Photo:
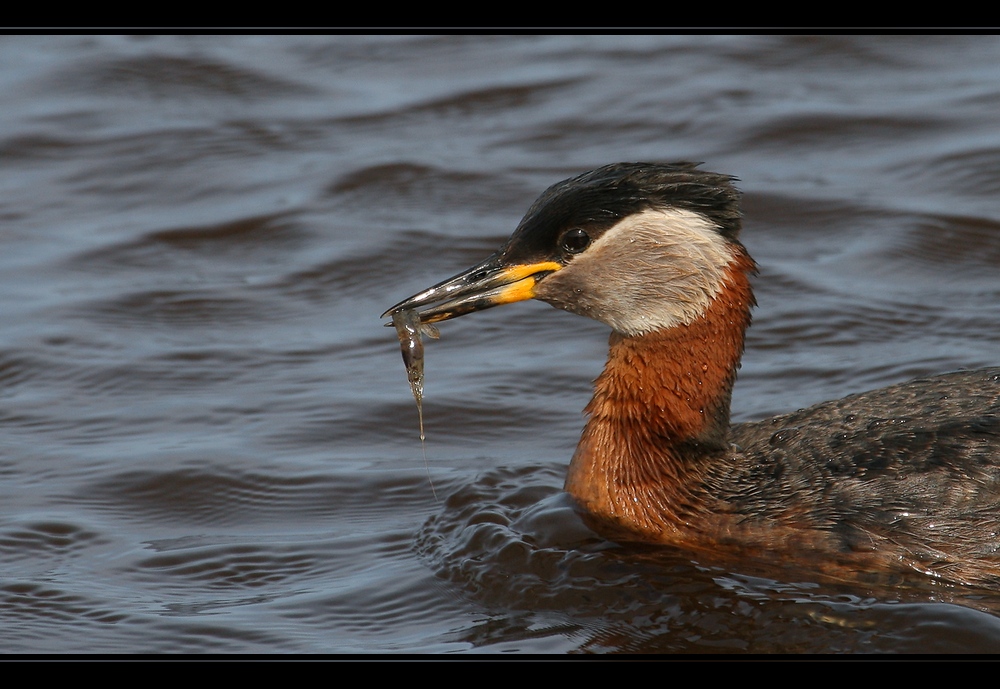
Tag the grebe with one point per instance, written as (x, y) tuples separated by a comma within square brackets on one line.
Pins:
[(906, 477)]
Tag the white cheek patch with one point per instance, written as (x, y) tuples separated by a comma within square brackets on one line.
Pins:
[(656, 269)]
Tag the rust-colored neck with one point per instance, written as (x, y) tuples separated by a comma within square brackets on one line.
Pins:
[(659, 414)]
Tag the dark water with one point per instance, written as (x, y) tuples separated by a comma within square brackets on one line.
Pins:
[(207, 441)]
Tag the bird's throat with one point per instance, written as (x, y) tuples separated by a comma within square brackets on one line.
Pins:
[(660, 412)]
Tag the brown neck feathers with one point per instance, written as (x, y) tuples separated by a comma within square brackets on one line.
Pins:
[(660, 410)]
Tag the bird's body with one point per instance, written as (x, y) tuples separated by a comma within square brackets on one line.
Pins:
[(906, 477)]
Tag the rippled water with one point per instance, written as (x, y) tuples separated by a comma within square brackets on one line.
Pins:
[(207, 441)]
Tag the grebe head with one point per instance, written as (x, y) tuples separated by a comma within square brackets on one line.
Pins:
[(638, 246)]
